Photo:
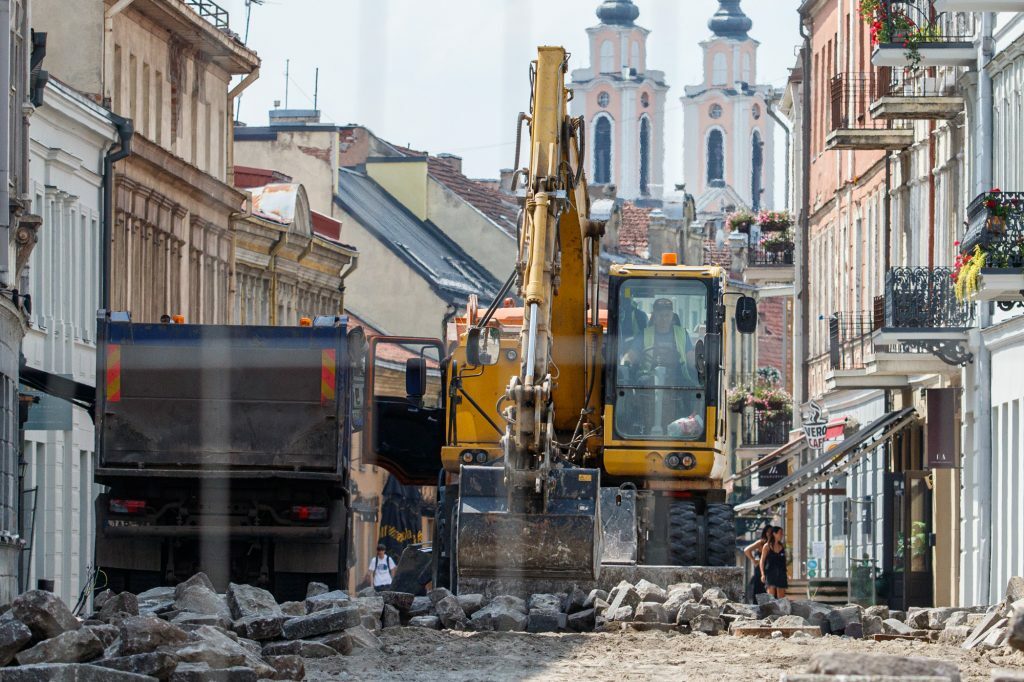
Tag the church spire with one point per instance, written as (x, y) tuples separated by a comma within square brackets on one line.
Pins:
[(730, 21), (618, 12)]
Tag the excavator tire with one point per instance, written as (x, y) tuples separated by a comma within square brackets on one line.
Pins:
[(721, 535), (684, 525)]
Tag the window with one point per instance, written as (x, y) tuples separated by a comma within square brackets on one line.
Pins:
[(645, 100), (715, 111), (746, 69), (719, 70), (716, 156), (603, 151), (757, 170), (635, 62), (603, 99), (645, 156), (608, 57)]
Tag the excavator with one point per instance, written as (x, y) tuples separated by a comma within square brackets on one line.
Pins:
[(584, 427)]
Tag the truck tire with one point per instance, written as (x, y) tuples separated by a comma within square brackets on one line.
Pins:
[(721, 535), (683, 538)]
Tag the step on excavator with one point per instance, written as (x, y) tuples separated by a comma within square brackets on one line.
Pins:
[(580, 430)]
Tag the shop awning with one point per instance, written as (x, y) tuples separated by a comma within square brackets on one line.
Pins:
[(832, 463)]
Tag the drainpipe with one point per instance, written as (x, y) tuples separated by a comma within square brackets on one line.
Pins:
[(802, 309), (353, 264), (125, 131), (5, 149), (789, 134), (983, 357), (272, 267)]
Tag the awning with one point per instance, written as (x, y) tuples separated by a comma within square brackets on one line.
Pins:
[(787, 452), (838, 460)]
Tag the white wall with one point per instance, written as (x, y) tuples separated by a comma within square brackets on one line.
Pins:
[(69, 138)]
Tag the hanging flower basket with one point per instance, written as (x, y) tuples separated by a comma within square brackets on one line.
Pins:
[(740, 221), (775, 221), (779, 246)]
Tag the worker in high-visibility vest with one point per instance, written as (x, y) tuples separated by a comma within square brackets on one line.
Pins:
[(665, 343)]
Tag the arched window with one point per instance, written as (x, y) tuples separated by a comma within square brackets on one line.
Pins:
[(603, 150), (716, 156), (757, 171), (635, 63), (608, 57), (719, 70), (746, 68), (645, 156)]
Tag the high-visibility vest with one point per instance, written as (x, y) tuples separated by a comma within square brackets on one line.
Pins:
[(680, 339)]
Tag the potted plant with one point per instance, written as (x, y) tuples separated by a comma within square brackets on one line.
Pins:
[(966, 269), (892, 25), (737, 399), (999, 209), (740, 221), (774, 221)]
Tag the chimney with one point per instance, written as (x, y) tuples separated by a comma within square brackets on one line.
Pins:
[(452, 160), (294, 116), (506, 180)]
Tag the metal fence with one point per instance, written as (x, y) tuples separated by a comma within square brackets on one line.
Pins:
[(908, 82), (211, 11), (924, 298), (849, 339)]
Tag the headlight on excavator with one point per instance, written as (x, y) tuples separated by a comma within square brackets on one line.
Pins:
[(471, 456), (680, 460)]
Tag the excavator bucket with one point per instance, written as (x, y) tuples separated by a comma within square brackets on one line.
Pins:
[(560, 542)]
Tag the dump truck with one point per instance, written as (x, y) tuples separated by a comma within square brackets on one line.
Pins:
[(587, 430), (224, 449)]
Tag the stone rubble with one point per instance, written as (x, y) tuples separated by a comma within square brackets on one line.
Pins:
[(190, 632)]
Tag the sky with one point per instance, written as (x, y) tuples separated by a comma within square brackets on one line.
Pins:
[(452, 75)]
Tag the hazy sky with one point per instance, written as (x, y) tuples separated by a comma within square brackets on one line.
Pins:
[(451, 75)]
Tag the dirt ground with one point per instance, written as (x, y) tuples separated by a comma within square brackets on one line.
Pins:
[(419, 654)]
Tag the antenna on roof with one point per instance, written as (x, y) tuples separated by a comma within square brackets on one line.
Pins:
[(287, 77), (316, 87), (245, 40)]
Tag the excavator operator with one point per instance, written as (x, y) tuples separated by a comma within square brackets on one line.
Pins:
[(661, 355)]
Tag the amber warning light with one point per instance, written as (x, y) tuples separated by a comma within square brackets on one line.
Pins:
[(669, 259)]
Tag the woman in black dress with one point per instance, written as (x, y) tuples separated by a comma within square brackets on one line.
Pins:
[(753, 552), (773, 563)]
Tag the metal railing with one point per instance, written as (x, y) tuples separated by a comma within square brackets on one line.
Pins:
[(997, 229), (849, 339), (917, 21), (907, 82), (765, 428), (924, 298), (851, 96), (211, 11), (764, 257)]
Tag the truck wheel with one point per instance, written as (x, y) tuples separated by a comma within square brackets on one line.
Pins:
[(684, 543), (721, 535)]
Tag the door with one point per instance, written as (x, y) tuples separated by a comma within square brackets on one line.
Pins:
[(405, 408), (909, 539)]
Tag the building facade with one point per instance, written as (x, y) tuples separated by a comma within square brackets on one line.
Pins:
[(623, 105), (70, 136), (167, 67)]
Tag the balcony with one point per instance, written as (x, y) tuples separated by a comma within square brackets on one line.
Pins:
[(763, 428), (853, 361), (201, 25), (914, 33), (770, 265), (979, 5), (851, 124), (927, 95), (923, 325), (995, 229)]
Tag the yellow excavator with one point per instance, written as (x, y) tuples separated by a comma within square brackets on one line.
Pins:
[(581, 428)]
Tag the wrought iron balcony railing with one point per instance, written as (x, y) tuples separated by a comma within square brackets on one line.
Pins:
[(765, 257), (924, 299), (762, 427), (849, 339), (916, 22), (211, 11), (995, 222)]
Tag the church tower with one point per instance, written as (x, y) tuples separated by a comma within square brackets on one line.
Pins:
[(728, 135), (623, 104)]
